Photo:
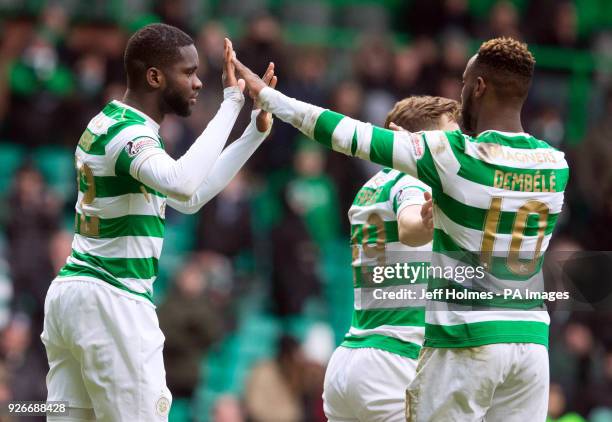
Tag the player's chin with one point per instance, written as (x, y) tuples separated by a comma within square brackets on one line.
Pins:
[(186, 110)]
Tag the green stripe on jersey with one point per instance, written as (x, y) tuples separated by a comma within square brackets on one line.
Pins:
[(373, 318), (381, 149), (74, 270), (109, 186), (143, 268), (325, 126), (487, 332), (129, 225), (368, 233)]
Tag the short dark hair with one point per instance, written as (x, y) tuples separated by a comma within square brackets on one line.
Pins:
[(155, 45), (422, 112), (508, 65)]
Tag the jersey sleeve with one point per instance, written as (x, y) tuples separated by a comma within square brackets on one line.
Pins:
[(404, 151), (408, 191), (134, 148)]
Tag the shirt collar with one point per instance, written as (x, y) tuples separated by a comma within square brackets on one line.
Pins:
[(148, 120)]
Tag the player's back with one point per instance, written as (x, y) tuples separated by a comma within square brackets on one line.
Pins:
[(497, 198), (119, 222), (392, 323)]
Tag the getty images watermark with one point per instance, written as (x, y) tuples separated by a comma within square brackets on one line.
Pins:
[(556, 281)]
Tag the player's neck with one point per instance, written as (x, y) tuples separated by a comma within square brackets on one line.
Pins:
[(500, 119), (146, 103)]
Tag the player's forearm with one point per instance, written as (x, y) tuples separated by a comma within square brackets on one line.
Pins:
[(412, 231), (342, 133), (181, 178), (225, 168)]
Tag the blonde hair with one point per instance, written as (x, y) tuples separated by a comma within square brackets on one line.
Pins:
[(422, 112)]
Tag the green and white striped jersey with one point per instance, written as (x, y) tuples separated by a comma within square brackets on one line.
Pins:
[(497, 197), (394, 325), (119, 222)]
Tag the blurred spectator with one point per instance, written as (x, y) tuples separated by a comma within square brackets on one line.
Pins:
[(556, 407), (503, 21), (263, 43), (39, 83), (594, 182), (227, 409), (598, 393), (436, 16), (6, 294), (314, 193), (34, 214), (60, 247), (190, 325), (407, 68), (26, 365), (294, 260), (372, 62), (548, 124), (225, 222), (280, 390)]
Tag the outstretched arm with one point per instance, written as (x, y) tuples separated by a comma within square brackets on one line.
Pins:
[(399, 150)]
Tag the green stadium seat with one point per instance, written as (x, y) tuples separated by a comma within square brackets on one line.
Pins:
[(57, 166), (11, 157)]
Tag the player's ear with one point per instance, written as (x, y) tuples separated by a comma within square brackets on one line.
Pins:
[(155, 77), (479, 87)]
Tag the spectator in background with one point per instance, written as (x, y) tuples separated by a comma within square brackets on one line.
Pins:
[(263, 43), (557, 405), (224, 224), (315, 194), (6, 294), (592, 209), (348, 175), (190, 325), (227, 408), (503, 21), (294, 260), (598, 393), (26, 364), (39, 85), (432, 17), (280, 390), (34, 216)]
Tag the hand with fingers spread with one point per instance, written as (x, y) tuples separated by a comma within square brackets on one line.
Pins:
[(264, 119), (427, 212), (228, 77), (253, 82)]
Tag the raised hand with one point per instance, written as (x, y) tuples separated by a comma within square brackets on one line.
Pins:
[(228, 78), (427, 212), (264, 119), (253, 82)]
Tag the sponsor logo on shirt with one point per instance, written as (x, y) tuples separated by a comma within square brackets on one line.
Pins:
[(417, 144), (133, 148)]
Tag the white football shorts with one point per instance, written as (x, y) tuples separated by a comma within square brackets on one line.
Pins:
[(366, 384), (104, 348), (498, 382)]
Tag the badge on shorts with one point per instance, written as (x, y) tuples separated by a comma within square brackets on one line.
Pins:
[(162, 407)]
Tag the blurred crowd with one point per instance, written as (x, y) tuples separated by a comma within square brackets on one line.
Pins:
[(274, 243)]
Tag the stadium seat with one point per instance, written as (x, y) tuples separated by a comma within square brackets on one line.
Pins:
[(57, 166), (364, 17), (11, 157), (312, 13)]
